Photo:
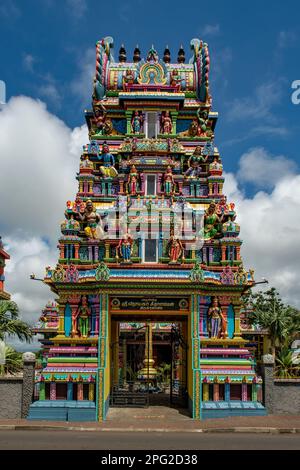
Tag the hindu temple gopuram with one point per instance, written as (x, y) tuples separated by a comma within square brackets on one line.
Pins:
[(149, 278)]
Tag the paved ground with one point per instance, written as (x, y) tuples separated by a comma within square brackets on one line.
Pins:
[(57, 440)]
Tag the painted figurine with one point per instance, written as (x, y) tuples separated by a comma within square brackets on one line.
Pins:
[(175, 249), (194, 164), (124, 248), (107, 169), (216, 320), (83, 317), (137, 123), (99, 120), (166, 123), (169, 181), (212, 222), (202, 121), (93, 229), (133, 180)]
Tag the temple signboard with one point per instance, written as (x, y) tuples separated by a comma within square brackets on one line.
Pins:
[(149, 303)]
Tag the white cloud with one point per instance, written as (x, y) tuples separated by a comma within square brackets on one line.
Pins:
[(286, 39), (82, 84), (210, 30), (259, 167), (37, 177), (37, 170), (258, 105), (50, 91), (28, 62), (270, 228)]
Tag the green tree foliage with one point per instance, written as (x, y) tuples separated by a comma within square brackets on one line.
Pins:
[(267, 311), (13, 362), (11, 324)]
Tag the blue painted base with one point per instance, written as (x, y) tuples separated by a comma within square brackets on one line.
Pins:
[(224, 409), (62, 410)]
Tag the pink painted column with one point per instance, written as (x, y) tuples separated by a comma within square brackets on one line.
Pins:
[(52, 390), (244, 392), (80, 391)]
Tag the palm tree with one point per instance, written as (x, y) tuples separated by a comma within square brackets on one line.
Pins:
[(285, 368), (11, 324), (13, 362)]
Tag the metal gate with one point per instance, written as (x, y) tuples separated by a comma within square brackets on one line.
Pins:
[(128, 391), (178, 385)]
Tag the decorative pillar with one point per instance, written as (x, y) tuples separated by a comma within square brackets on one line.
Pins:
[(244, 391), (237, 309), (28, 382), (106, 250), (52, 390), (268, 380), (61, 251), (223, 249), (210, 254), (227, 391), (91, 391), (254, 391), (42, 391), (128, 115), (61, 318), (205, 391), (73, 302), (195, 335), (80, 391), (76, 254), (204, 302), (103, 364), (80, 186), (216, 392), (90, 249), (210, 189), (238, 253), (70, 391)]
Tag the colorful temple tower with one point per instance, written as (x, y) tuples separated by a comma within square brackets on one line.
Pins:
[(150, 237)]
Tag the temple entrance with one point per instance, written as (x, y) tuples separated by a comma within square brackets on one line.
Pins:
[(149, 362)]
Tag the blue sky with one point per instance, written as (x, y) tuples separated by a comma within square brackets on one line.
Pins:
[(47, 52)]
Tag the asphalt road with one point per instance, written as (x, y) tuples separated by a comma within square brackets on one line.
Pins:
[(73, 440)]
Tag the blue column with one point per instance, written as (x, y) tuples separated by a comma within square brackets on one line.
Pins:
[(70, 391), (227, 392)]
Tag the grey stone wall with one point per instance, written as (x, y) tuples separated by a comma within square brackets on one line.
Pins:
[(16, 392), (286, 396), (10, 397), (281, 396)]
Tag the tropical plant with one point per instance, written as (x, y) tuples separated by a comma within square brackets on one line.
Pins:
[(13, 362), (11, 324), (285, 368), (267, 311), (164, 372)]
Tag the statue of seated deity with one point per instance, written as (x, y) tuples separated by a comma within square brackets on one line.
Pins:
[(108, 161)]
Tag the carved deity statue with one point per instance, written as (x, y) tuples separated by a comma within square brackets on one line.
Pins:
[(212, 222), (166, 123), (169, 182), (194, 164), (83, 315), (202, 121), (216, 320), (137, 123), (99, 119), (93, 229), (133, 181), (175, 249), (107, 168), (124, 248), (128, 77)]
